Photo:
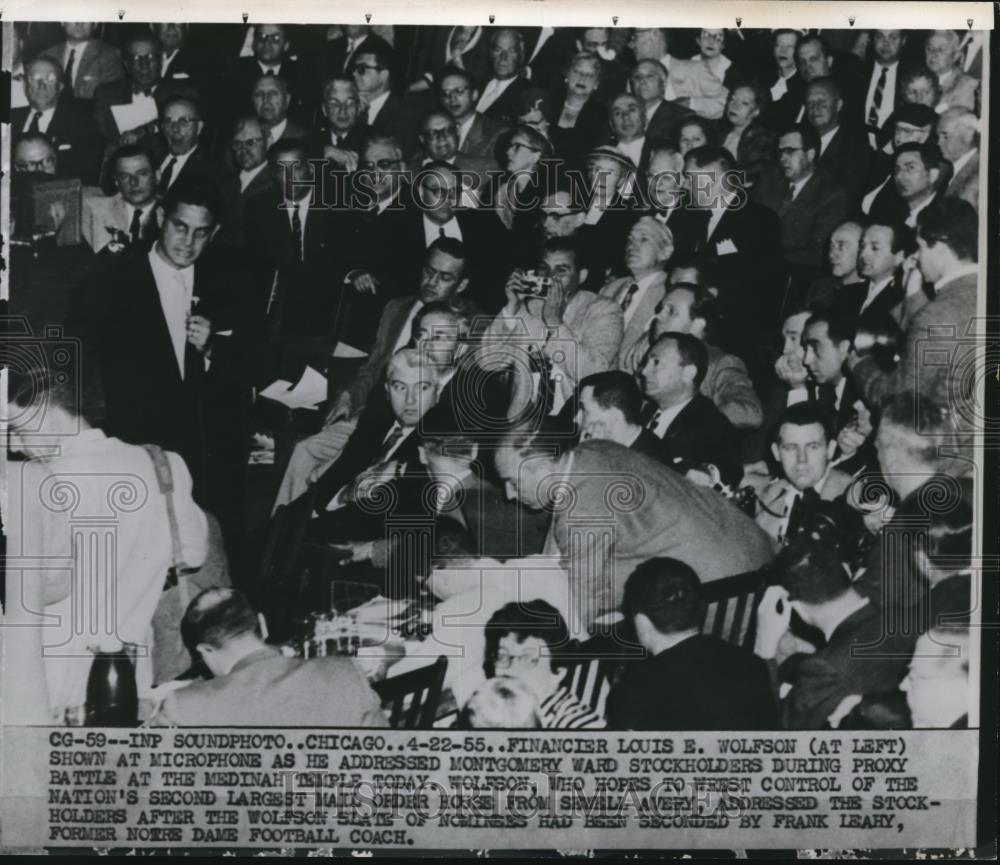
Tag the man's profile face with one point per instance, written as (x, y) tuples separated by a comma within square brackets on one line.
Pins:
[(136, 180), (184, 233), (523, 477), (794, 160), (824, 359), (269, 43), (904, 133), (505, 55), (340, 106), (932, 259), (876, 259), (458, 96), (784, 51), (937, 684), (843, 251), (591, 418), (953, 141), (887, 44), (249, 146), (142, 62), (811, 61), (627, 118), (440, 137), (663, 377), (804, 453), (666, 186), (822, 108), (181, 127), (441, 277), (412, 391), (38, 156), (912, 178), (42, 84), (676, 313), (270, 100)]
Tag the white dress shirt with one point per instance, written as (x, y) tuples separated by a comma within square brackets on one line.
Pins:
[(874, 290), (633, 305), (178, 166), (166, 60), (276, 131), (43, 121), (176, 288), (432, 231), (869, 199), (375, 106), (666, 417), (303, 209), (405, 332), (825, 139), (780, 87), (543, 37), (247, 177), (265, 68), (888, 93), (79, 48), (147, 214), (18, 98), (337, 502), (962, 160), (463, 129), (492, 92), (797, 185), (633, 149), (911, 219)]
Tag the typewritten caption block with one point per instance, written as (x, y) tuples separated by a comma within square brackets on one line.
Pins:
[(398, 789)]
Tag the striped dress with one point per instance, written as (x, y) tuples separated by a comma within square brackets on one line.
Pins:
[(561, 710)]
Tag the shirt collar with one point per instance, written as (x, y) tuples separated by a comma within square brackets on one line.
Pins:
[(376, 105), (265, 68), (962, 160), (964, 270), (276, 131), (247, 176), (184, 275), (85, 440)]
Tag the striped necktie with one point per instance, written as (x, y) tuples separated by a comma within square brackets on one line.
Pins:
[(873, 112)]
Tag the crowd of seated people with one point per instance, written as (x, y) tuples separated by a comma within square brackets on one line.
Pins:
[(654, 306)]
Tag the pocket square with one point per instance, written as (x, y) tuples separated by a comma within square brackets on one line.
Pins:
[(177, 76), (725, 247), (65, 147)]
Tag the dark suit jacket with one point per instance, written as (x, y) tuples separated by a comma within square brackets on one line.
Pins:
[(665, 122), (269, 690), (821, 680), (75, 135), (702, 683), (183, 68), (497, 527), (502, 110), (846, 159), (888, 302), (548, 66), (203, 166), (399, 119), (873, 70), (235, 97), (390, 326), (647, 444), (701, 434), (781, 114), (590, 130), (337, 62), (755, 151), (482, 137), (807, 221)]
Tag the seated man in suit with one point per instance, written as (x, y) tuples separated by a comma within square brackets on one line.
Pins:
[(342, 139), (627, 508), (628, 127), (177, 62), (844, 153), (384, 113), (126, 217), (812, 582), (84, 62), (249, 149), (271, 56), (809, 203), (694, 435), (649, 247), (458, 95), (611, 408), (693, 309), (254, 683), (649, 84), (34, 153), (803, 450), (941, 53), (66, 121), (688, 680), (910, 123), (881, 253), (439, 143), (958, 138), (920, 175), (271, 100), (508, 76), (842, 263)]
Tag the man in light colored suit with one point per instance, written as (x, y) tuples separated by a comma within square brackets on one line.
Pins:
[(941, 53), (127, 217), (614, 508), (271, 100), (958, 138), (86, 62), (253, 684), (649, 247), (477, 133)]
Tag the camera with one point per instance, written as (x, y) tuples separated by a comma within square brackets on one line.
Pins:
[(535, 285)]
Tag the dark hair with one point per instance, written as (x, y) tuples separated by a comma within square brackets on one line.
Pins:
[(287, 145), (915, 114), (949, 536), (130, 151), (452, 248), (217, 616), (806, 414), (903, 239), (829, 82), (929, 421), (808, 135), (839, 328), (819, 40), (548, 440), (563, 244), (453, 71), (668, 592), (535, 618), (197, 192), (37, 386), (382, 54), (708, 130), (812, 573), (704, 305), (692, 352), (614, 388), (930, 154), (438, 307), (953, 222)]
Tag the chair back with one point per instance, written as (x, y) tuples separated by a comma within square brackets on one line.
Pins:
[(412, 698), (732, 602)]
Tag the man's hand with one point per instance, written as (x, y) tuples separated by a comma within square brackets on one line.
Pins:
[(199, 329), (382, 473), (364, 283), (849, 440), (340, 409), (553, 307), (790, 370), (342, 156), (353, 551), (773, 617), (515, 290)]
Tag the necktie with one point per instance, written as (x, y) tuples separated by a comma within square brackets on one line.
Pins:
[(391, 440), (167, 175), (654, 421), (335, 139), (626, 300), (33, 127), (67, 78), (877, 98), (441, 232), (135, 229), (297, 232)]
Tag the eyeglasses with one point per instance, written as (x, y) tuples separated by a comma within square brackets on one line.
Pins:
[(337, 105), (51, 78), (362, 68), (273, 38), (504, 660), (247, 143), (455, 91), (520, 145), (179, 123), (446, 132), (787, 151), (46, 162), (380, 165), (142, 58)]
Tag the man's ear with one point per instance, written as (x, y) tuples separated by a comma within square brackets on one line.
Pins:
[(215, 231), (160, 215), (464, 284), (935, 175), (831, 447), (584, 273), (776, 451), (423, 454), (201, 127), (698, 326), (643, 625)]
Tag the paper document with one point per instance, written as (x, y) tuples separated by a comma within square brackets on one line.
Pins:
[(308, 392)]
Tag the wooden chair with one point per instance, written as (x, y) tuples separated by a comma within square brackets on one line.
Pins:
[(413, 698), (732, 603)]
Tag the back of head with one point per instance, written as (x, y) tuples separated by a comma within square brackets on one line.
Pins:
[(615, 389), (953, 222), (812, 573), (668, 592), (216, 617), (692, 352)]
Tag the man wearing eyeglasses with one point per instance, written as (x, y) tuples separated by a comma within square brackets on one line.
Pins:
[(181, 126), (477, 134), (249, 149), (509, 78), (342, 138), (271, 56), (66, 121), (383, 111)]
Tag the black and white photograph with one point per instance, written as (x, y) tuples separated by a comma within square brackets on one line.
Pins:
[(585, 431)]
